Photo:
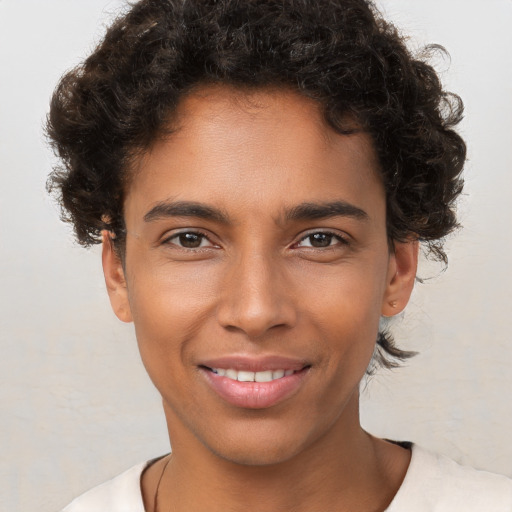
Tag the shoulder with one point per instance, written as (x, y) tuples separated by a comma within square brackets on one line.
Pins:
[(437, 483), (121, 494)]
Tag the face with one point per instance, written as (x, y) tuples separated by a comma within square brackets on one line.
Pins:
[(257, 267)]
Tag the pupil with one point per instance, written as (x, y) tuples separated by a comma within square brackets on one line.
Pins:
[(190, 240), (320, 240)]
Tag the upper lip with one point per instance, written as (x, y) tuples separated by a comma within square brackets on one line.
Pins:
[(255, 364)]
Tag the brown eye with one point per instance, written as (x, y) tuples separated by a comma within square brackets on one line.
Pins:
[(190, 240), (321, 240)]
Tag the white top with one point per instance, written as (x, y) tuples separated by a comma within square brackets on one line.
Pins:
[(433, 483)]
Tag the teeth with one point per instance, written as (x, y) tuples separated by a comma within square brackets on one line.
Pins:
[(277, 374), (243, 376), (263, 376), (231, 374)]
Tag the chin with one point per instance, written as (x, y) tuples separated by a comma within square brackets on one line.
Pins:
[(267, 444), (251, 455)]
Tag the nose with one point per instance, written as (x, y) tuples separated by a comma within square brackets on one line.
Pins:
[(255, 297)]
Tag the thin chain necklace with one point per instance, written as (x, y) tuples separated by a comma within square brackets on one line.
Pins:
[(155, 504)]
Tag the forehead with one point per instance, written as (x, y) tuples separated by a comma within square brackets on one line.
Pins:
[(214, 105), (263, 149), (278, 116)]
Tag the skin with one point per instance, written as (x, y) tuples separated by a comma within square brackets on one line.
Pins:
[(260, 285)]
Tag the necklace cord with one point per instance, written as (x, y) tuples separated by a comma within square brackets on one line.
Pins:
[(155, 504)]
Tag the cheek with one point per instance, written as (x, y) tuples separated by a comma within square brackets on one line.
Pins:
[(344, 308), (170, 307), (167, 293), (349, 294)]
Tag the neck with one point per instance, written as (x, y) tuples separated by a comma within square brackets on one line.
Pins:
[(346, 469)]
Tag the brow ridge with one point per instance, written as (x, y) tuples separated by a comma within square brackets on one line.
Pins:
[(165, 209), (316, 211), (300, 212)]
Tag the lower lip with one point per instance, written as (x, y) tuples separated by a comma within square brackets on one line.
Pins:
[(255, 395)]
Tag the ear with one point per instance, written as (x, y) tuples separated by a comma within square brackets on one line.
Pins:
[(402, 267), (114, 279)]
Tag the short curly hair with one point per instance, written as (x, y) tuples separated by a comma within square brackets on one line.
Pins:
[(341, 53)]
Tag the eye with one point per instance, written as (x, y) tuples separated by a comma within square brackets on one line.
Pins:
[(189, 240), (321, 240)]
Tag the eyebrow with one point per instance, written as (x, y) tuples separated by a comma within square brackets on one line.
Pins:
[(300, 212), (167, 209), (315, 211)]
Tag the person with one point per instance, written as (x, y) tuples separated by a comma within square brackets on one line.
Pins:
[(261, 174)]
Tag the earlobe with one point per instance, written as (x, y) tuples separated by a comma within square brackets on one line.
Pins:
[(403, 264), (115, 279)]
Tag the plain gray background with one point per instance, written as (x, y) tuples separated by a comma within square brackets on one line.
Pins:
[(76, 404)]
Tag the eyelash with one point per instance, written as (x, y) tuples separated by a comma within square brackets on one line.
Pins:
[(341, 240), (199, 234)]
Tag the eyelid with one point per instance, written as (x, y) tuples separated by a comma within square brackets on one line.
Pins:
[(196, 231), (343, 238)]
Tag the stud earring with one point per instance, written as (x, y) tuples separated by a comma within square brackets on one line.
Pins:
[(393, 303)]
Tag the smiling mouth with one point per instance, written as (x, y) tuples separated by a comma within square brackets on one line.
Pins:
[(255, 389), (247, 376)]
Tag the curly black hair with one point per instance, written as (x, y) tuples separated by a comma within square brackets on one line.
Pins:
[(341, 53)]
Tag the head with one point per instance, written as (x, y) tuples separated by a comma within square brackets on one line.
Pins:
[(262, 173)]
